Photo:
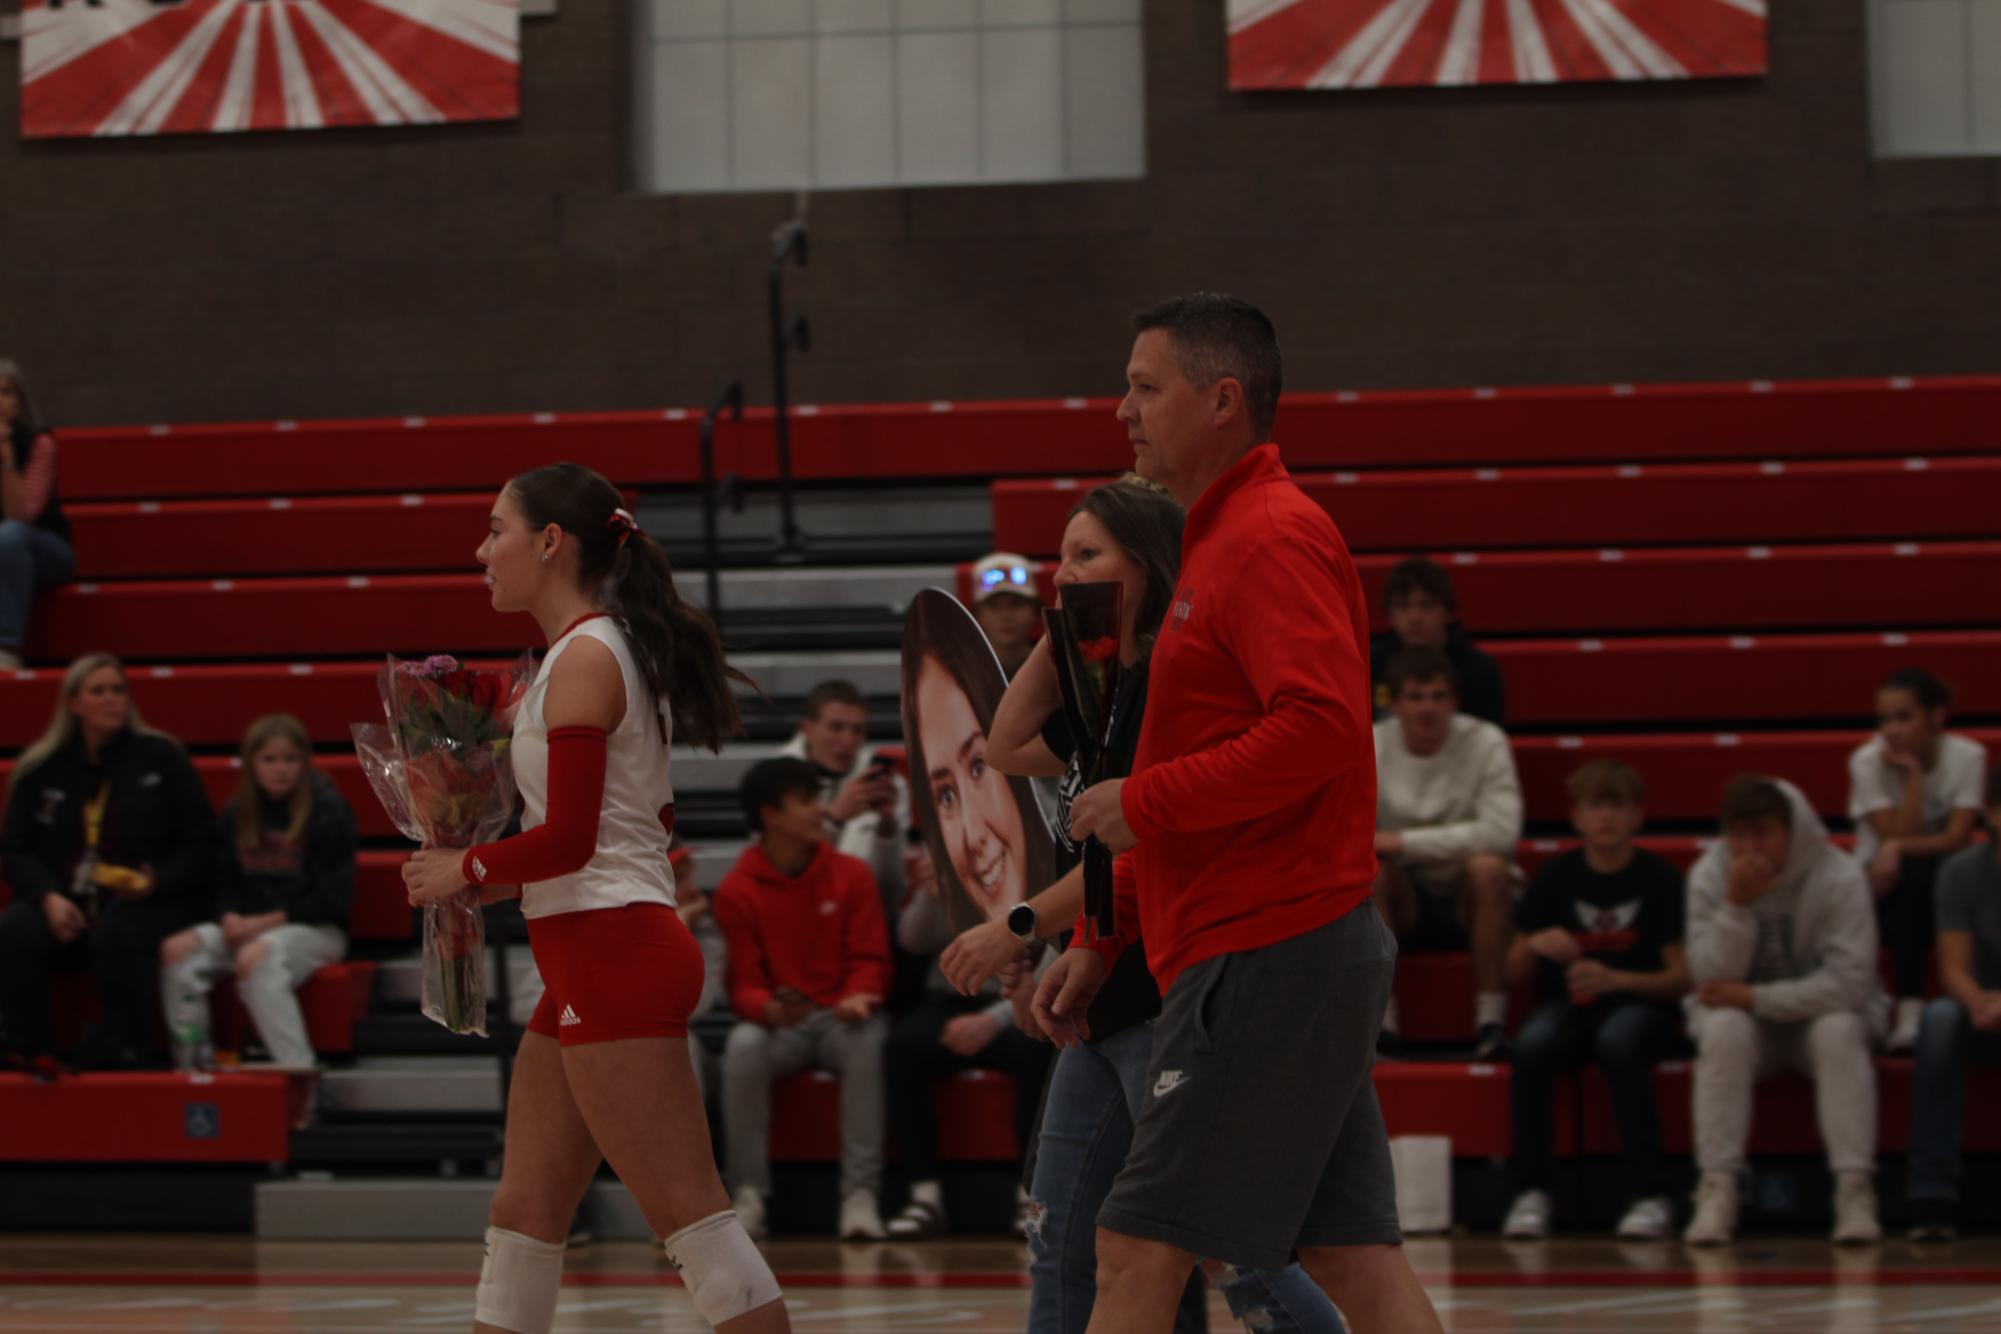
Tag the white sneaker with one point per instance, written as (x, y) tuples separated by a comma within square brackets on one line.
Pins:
[(1715, 1221), (749, 1204), (860, 1219), (1904, 1031), (1855, 1220), (1528, 1219), (1648, 1220)]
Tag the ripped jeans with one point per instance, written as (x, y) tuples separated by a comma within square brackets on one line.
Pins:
[(1087, 1127)]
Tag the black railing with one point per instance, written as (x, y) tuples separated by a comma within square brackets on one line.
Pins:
[(730, 399), (788, 243)]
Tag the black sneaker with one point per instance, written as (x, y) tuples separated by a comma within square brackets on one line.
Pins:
[(1390, 1046), (1492, 1044), (1933, 1220)]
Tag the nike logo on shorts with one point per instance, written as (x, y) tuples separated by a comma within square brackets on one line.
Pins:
[(1169, 1081)]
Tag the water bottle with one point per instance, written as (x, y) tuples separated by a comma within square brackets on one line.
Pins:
[(193, 1049)]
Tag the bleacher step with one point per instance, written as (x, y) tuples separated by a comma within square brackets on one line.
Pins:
[(413, 1085), (414, 1035)]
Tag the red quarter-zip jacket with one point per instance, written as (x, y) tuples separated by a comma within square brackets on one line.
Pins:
[(1254, 791), (820, 932)]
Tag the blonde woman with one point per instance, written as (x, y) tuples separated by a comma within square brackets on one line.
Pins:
[(109, 845), (284, 888)]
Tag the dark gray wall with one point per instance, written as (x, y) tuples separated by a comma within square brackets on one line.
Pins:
[(1430, 238)]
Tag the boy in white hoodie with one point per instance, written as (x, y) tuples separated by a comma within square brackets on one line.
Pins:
[(1782, 950), (1448, 816)]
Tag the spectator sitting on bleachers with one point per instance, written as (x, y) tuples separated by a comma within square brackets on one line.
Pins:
[(285, 888), (1914, 794), (1600, 929), (1008, 605), (1782, 951), (1448, 816), (1961, 1027), (35, 553), (1423, 608), (808, 970), (109, 844), (865, 803), (947, 1034)]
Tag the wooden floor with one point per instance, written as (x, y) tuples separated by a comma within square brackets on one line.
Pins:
[(238, 1285)]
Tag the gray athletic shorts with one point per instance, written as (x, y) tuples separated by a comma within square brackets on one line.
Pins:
[(1261, 1133)]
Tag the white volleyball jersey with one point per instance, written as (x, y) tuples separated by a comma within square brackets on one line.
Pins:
[(630, 863)]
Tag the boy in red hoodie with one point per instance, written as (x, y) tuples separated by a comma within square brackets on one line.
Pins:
[(808, 968)]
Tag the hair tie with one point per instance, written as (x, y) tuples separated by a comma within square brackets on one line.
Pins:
[(621, 522)]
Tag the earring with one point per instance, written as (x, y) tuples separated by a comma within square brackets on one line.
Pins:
[(545, 558)]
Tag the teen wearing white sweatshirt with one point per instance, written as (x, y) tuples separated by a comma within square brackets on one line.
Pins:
[(1448, 816)]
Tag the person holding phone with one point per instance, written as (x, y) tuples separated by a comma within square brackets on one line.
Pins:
[(109, 843)]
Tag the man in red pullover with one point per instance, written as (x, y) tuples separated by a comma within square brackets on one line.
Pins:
[(1248, 834), (808, 968)]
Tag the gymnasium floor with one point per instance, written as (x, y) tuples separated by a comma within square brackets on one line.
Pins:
[(237, 1285)]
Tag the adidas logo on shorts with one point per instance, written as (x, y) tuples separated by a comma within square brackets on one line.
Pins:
[(569, 1018)]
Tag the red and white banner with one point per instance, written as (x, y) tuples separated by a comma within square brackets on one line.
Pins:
[(122, 67), (1419, 43)]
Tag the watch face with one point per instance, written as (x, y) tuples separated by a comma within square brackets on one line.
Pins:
[(1021, 920)]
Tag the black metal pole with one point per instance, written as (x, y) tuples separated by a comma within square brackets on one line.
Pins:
[(731, 397), (787, 243)]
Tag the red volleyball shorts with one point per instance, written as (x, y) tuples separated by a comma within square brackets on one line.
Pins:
[(612, 973)]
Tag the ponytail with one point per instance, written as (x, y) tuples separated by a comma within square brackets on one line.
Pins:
[(678, 649), (677, 646)]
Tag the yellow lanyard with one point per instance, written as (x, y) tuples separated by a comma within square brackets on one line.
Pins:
[(93, 817)]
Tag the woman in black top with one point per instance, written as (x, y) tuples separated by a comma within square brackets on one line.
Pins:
[(1130, 533), (284, 889), (35, 553), (109, 846)]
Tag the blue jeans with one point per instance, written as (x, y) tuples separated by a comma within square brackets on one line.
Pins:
[(32, 560), (1947, 1041), (1624, 1038), (1087, 1127)]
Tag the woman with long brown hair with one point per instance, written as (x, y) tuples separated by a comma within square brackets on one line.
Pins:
[(284, 890), (604, 1071)]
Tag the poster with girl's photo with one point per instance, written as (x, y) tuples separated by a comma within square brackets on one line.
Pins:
[(986, 834)]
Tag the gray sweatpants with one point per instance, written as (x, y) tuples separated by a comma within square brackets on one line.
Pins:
[(270, 992), (757, 1057), (1734, 1050)]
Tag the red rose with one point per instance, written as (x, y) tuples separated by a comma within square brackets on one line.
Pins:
[(1103, 649)]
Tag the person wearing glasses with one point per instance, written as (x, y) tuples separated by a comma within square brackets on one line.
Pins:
[(1008, 605)]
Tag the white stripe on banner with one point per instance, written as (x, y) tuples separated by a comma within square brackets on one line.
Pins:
[(390, 100), (1461, 62), (302, 101), (79, 33), (1243, 13), (1622, 65), (482, 25), (1652, 58), (1391, 23), (1379, 64), (147, 107), (1532, 60), (232, 109), (1755, 8)]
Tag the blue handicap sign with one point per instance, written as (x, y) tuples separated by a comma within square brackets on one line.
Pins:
[(201, 1120)]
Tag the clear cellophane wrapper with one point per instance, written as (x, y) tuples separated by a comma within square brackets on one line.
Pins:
[(440, 768)]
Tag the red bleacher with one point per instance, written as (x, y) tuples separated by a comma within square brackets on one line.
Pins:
[(332, 1000), (1402, 429), (223, 1118), (1624, 506)]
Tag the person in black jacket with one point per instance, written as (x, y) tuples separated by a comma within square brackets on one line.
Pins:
[(109, 845), (1423, 608), (285, 888)]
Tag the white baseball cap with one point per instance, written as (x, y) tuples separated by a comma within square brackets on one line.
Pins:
[(1005, 572)]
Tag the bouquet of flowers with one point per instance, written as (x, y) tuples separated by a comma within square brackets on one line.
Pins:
[(439, 767)]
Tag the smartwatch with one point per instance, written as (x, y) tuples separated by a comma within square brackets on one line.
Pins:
[(1021, 921)]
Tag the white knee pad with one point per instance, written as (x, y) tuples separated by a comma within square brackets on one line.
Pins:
[(725, 1275), (519, 1282)]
